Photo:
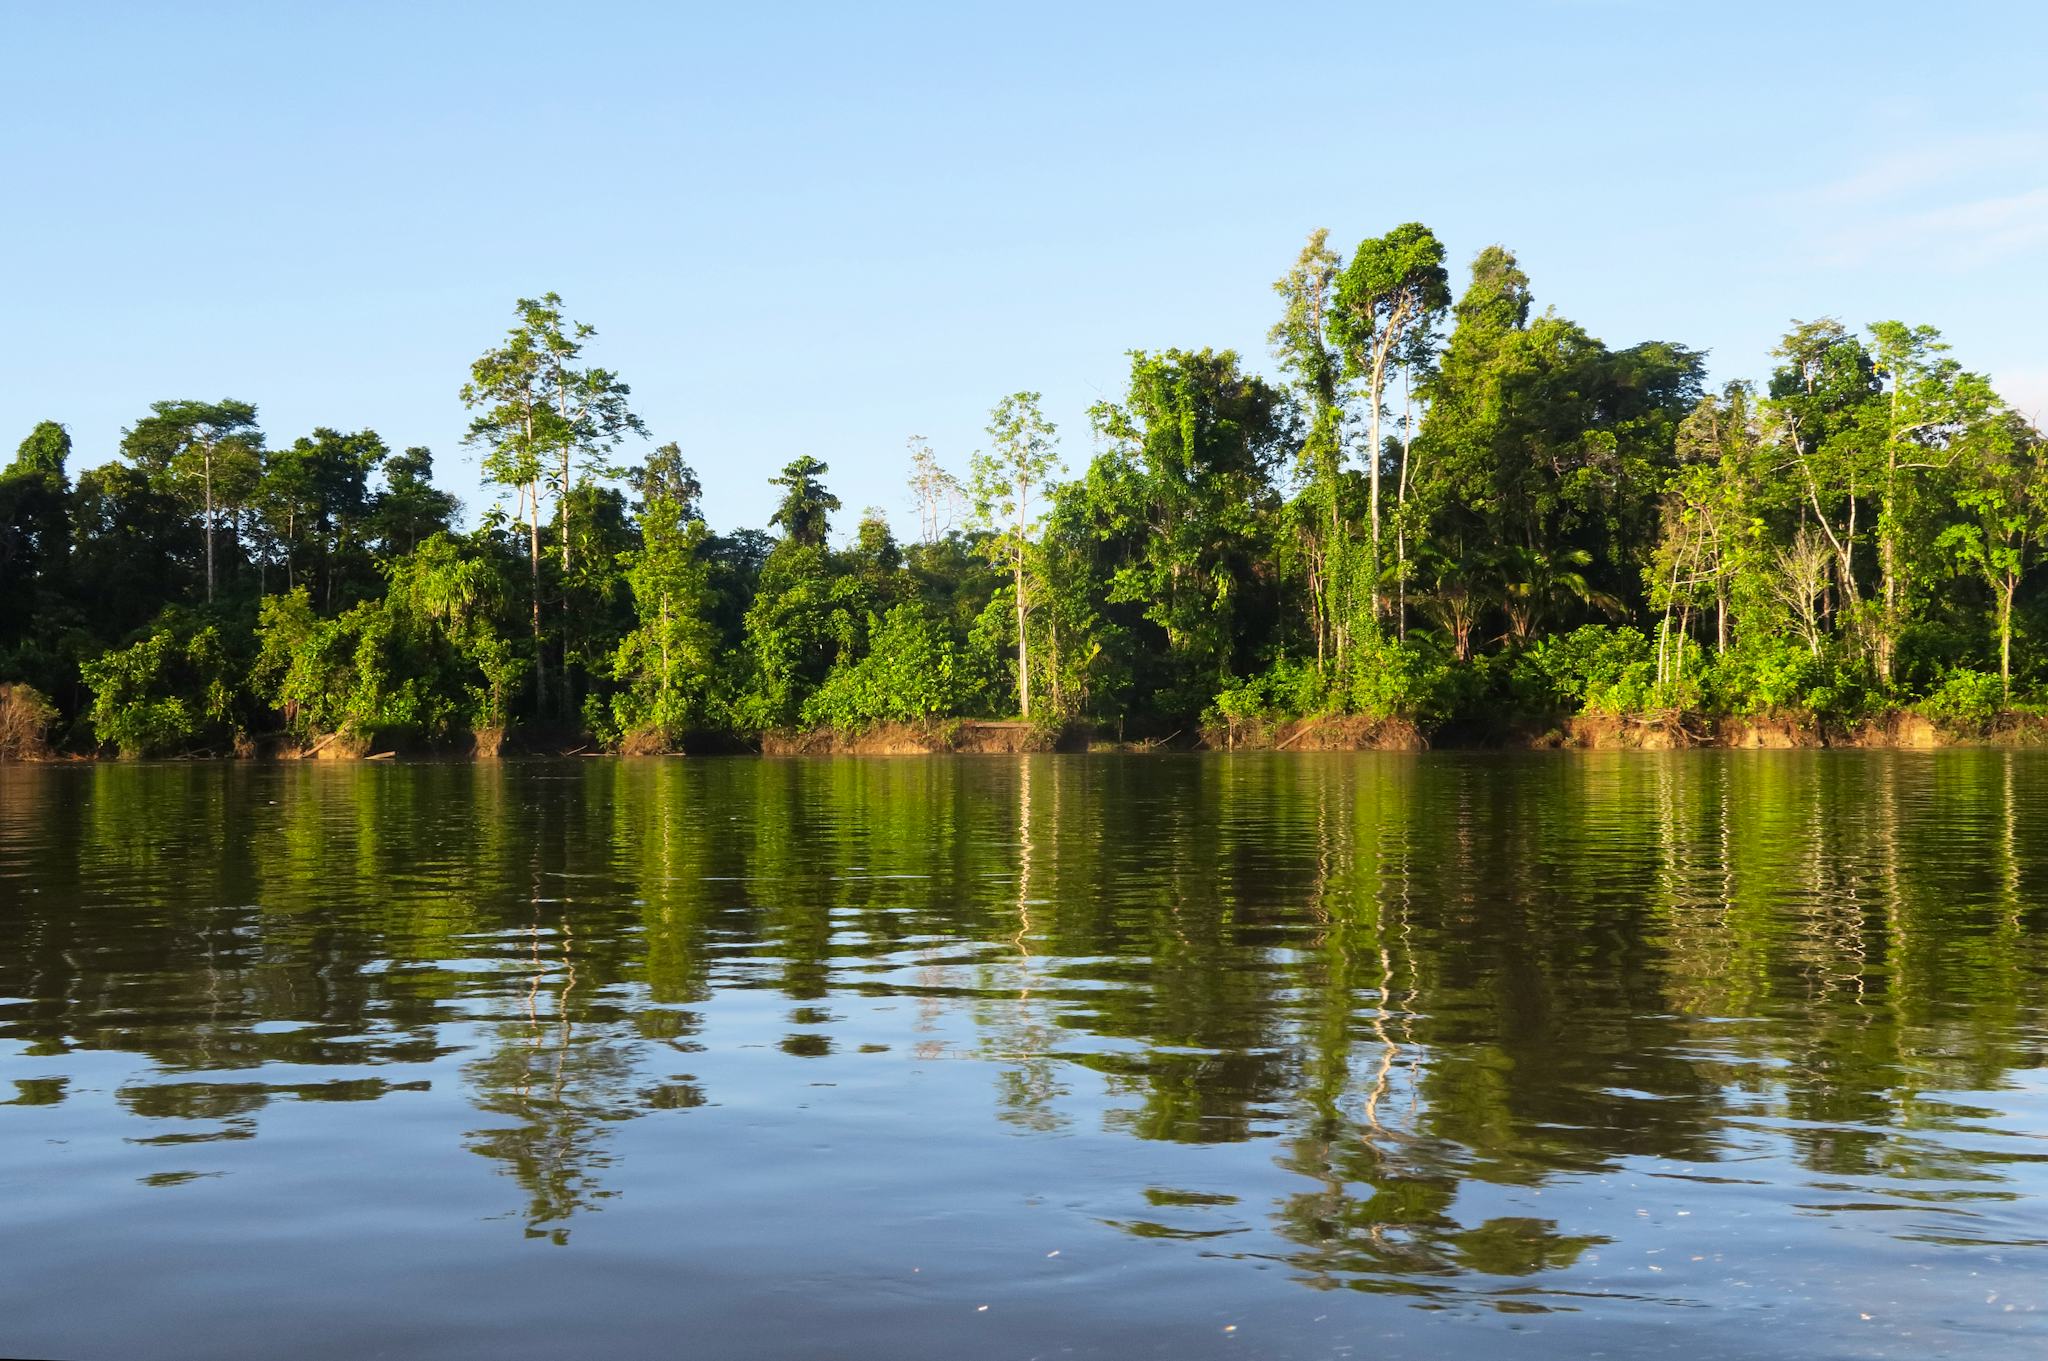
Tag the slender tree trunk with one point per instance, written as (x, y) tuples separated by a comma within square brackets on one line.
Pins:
[(540, 661), (568, 686), (1379, 377), (1333, 563), (562, 500), (1401, 501), (1023, 662), (1059, 694), (1888, 563), (2005, 637), (207, 472)]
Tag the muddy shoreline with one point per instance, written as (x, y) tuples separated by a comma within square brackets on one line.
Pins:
[(1899, 730)]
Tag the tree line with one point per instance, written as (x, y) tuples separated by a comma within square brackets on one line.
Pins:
[(1456, 511)]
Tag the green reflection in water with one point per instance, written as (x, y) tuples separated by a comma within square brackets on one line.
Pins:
[(1427, 990)]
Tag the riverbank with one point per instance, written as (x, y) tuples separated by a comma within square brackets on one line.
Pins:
[(1899, 729), (1903, 728)]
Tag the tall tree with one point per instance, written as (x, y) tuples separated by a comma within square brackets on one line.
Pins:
[(508, 388), (2002, 525), (805, 513), (1928, 402), (1301, 340), (591, 415), (1819, 416), (934, 491), (665, 476), (315, 500), (1394, 285), (666, 662), (410, 507), (208, 451), (1183, 501), (1001, 484), (35, 538), (543, 418)]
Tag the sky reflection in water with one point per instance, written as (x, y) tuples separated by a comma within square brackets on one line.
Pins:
[(1717, 1053)]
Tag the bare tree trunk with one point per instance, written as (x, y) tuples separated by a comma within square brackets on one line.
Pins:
[(1023, 662), (540, 661), (1333, 574), (207, 467), (2005, 637), (568, 616)]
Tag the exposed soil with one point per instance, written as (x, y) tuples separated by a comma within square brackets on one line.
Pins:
[(1902, 729), (1333, 732), (912, 739)]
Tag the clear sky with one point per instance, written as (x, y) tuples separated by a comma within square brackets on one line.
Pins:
[(821, 229)]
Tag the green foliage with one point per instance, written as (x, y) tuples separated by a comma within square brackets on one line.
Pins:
[(376, 671), (667, 664), (805, 618), (1385, 677), (1771, 674), (1966, 700), (912, 671), (1288, 688), (209, 454), (1001, 488), (1594, 669), (166, 693), (805, 515), (1573, 526), (456, 599)]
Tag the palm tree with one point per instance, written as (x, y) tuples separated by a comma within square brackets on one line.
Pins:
[(1450, 594), (1533, 582)]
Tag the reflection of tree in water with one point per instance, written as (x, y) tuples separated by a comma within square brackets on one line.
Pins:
[(1018, 1032), (1380, 1217), (563, 1074), (1507, 989), (1424, 978)]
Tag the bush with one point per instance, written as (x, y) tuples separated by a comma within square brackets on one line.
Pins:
[(1765, 674), (1286, 689), (1966, 700), (165, 693), (1595, 669), (911, 671), (25, 719), (1385, 677), (372, 672)]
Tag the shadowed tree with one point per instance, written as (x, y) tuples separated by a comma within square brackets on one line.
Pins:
[(208, 452), (805, 514)]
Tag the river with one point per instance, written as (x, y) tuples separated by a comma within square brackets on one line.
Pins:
[(1694, 1054)]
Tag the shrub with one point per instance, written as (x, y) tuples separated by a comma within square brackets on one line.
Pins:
[(1242, 700), (1767, 673), (911, 671), (25, 719), (1385, 677), (165, 693), (1594, 668), (1287, 688), (1966, 700)]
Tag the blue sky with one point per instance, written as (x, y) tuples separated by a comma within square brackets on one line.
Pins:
[(821, 229)]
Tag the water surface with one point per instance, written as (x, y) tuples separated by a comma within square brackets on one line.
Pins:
[(1701, 1054)]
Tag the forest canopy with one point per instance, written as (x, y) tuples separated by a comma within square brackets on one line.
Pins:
[(1449, 507)]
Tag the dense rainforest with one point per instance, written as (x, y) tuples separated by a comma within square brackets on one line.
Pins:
[(1459, 512)]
